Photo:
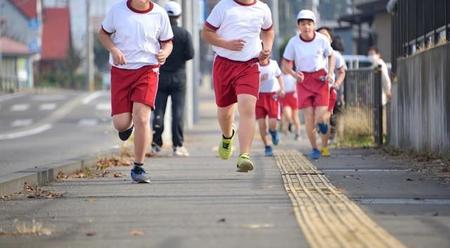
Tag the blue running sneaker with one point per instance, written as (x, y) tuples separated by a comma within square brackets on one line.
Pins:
[(275, 137), (138, 175), (322, 128), (315, 154), (268, 151)]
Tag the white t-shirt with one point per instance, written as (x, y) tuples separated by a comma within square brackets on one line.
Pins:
[(233, 20), (309, 56), (137, 34), (290, 83), (269, 77)]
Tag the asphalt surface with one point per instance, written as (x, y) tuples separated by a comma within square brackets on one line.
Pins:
[(200, 201), (41, 129)]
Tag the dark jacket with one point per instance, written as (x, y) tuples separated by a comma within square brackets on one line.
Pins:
[(183, 50)]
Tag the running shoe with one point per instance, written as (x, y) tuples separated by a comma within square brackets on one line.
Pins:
[(244, 164), (138, 175), (275, 137), (226, 146), (325, 152), (268, 151), (124, 135), (315, 154)]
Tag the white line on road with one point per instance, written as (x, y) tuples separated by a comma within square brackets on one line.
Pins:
[(20, 107), (91, 97), (46, 98), (88, 122), (404, 201), (29, 132), (103, 106), (10, 96), (21, 123), (47, 106)]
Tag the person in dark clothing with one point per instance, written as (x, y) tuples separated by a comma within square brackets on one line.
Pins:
[(172, 82)]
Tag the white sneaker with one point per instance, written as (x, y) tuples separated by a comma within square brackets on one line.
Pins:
[(180, 151)]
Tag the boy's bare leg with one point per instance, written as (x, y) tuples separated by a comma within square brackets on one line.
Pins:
[(263, 131), (296, 118), (225, 116), (122, 121), (325, 137), (246, 108), (309, 125), (141, 118)]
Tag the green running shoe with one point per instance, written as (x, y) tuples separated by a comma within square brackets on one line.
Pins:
[(244, 164), (226, 146)]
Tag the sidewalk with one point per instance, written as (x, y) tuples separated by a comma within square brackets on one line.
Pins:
[(200, 201)]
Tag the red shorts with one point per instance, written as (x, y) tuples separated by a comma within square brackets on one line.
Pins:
[(290, 100), (268, 104), (128, 86), (333, 98), (313, 92), (232, 78)]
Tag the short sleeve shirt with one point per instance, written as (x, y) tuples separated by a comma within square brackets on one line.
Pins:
[(234, 20), (137, 34), (308, 56), (269, 74)]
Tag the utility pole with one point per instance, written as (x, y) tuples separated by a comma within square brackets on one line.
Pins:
[(90, 86), (276, 26)]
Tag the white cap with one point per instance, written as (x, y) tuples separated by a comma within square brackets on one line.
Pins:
[(306, 14), (173, 8)]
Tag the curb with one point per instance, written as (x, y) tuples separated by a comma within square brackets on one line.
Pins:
[(42, 176)]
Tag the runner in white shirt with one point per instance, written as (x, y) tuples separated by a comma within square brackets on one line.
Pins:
[(138, 35), (312, 54), (336, 84), (289, 105), (268, 104), (241, 34)]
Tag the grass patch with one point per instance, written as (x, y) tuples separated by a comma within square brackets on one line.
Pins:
[(355, 128)]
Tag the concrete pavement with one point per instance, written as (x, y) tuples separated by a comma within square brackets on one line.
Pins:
[(200, 201)]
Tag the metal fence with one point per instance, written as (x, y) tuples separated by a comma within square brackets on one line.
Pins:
[(419, 117), (362, 94), (418, 24)]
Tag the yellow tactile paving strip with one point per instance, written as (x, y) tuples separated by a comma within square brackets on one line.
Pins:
[(326, 216)]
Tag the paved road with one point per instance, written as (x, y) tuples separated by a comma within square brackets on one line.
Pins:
[(38, 129), (201, 201)]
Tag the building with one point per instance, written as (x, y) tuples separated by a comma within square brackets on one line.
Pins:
[(371, 26), (20, 42)]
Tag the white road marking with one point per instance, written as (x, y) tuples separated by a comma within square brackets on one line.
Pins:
[(25, 133), (21, 123), (10, 96), (43, 98), (103, 106), (88, 122), (20, 107), (91, 97), (47, 106)]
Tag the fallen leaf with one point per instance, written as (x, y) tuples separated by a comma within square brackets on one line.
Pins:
[(136, 232), (221, 220)]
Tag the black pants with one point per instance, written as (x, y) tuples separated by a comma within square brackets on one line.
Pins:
[(173, 85)]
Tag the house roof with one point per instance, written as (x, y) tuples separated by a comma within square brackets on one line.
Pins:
[(27, 7), (55, 34), (12, 47)]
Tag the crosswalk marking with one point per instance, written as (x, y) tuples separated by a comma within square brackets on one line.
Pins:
[(47, 106), (20, 107)]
